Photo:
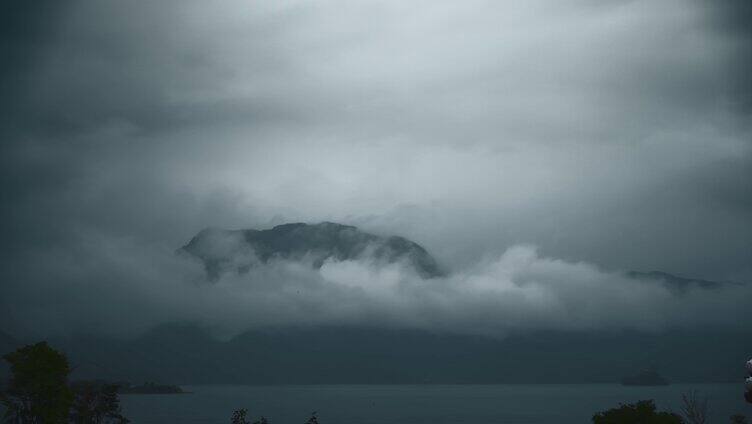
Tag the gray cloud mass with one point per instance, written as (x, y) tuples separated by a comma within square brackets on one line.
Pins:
[(539, 150)]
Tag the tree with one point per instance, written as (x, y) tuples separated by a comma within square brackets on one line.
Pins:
[(694, 408), (37, 392), (314, 419), (96, 403), (642, 412), (239, 417)]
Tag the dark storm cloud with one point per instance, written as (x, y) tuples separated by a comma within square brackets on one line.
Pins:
[(617, 134), (24, 32), (731, 21)]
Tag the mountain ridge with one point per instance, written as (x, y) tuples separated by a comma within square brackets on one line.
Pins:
[(223, 251), (675, 283), (187, 354)]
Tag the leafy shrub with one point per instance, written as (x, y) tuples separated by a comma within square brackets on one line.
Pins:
[(642, 412)]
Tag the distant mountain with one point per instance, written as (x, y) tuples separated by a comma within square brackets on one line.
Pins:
[(645, 378), (150, 388), (184, 355), (187, 354), (675, 283), (238, 250)]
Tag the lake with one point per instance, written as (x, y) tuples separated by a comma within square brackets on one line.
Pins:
[(420, 404)]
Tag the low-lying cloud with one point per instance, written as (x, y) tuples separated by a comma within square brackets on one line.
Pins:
[(118, 287)]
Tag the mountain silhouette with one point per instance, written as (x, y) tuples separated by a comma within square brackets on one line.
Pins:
[(224, 251), (676, 284), (188, 354)]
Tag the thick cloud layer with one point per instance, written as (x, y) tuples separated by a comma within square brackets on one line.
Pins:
[(614, 133), (120, 288)]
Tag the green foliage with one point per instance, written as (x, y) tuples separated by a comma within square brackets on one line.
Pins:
[(738, 419), (37, 392), (96, 403), (314, 419), (642, 412), (239, 417)]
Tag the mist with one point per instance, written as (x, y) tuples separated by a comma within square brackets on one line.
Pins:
[(122, 289)]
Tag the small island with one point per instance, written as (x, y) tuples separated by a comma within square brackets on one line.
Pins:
[(149, 388), (645, 378)]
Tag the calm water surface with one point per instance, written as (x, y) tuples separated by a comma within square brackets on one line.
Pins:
[(407, 404)]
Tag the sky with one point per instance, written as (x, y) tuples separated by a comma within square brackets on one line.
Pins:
[(597, 136)]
